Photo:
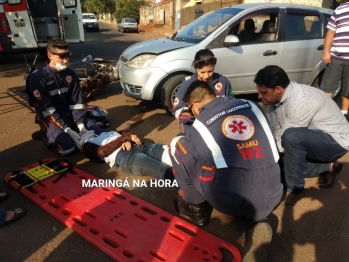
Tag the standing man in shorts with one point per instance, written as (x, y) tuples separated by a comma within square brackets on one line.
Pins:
[(336, 57)]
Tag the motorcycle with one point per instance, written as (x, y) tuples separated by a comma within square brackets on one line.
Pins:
[(94, 74)]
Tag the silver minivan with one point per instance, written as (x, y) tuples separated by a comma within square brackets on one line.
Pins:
[(244, 38)]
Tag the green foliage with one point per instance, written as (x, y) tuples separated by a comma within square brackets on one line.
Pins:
[(98, 6), (128, 8)]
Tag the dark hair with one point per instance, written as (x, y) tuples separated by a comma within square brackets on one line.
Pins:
[(198, 91), (272, 76), (204, 57), (56, 43)]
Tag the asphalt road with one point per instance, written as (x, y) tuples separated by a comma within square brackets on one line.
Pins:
[(316, 229)]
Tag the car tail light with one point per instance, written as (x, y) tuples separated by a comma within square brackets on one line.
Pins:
[(4, 28)]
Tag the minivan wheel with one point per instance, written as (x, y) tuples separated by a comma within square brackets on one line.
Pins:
[(318, 81), (169, 91)]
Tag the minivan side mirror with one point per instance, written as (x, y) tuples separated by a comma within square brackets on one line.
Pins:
[(231, 40)]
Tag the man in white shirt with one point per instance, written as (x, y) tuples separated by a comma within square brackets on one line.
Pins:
[(310, 131)]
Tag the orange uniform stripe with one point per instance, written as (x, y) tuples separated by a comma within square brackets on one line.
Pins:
[(55, 122), (181, 147)]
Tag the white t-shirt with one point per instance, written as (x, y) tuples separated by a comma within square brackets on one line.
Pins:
[(103, 139), (106, 137)]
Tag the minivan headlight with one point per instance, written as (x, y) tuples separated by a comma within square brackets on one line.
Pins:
[(141, 61)]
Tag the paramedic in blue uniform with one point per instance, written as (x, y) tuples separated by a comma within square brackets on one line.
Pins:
[(204, 65), (227, 160), (58, 101)]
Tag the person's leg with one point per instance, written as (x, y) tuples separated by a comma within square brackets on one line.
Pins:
[(3, 213), (345, 104), (158, 151), (258, 237), (59, 141), (138, 163), (187, 170), (345, 88), (333, 74), (307, 153)]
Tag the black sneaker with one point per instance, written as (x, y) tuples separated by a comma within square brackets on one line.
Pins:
[(347, 116), (41, 136), (258, 238), (199, 214)]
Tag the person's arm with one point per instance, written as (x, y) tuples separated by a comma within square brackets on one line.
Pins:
[(126, 146), (94, 151), (326, 56), (179, 105), (43, 101), (298, 115), (76, 102), (332, 27), (229, 92), (275, 127)]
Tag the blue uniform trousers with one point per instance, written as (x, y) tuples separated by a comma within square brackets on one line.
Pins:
[(60, 141)]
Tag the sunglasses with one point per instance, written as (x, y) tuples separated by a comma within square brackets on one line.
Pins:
[(202, 63), (191, 106), (63, 55)]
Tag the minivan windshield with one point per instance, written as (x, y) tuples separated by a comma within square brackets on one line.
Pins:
[(88, 17), (197, 30)]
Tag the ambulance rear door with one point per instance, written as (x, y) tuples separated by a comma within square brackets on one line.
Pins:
[(71, 20), (22, 34)]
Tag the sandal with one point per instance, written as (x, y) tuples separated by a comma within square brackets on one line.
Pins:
[(3, 196), (19, 213)]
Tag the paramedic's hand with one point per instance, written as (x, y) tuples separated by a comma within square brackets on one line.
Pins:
[(126, 146), (136, 139), (75, 136), (82, 128)]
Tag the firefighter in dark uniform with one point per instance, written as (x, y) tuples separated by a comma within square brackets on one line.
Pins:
[(204, 65), (58, 101), (227, 160)]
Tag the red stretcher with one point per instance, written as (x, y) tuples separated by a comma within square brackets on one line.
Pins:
[(121, 225)]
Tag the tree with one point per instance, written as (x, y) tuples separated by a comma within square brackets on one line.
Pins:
[(99, 6), (128, 8)]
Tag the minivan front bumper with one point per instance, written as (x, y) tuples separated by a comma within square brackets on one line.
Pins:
[(139, 83)]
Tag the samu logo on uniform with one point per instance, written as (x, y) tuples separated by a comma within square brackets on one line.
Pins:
[(238, 127)]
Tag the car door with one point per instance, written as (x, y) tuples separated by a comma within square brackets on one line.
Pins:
[(71, 18), (240, 63), (121, 24), (302, 44), (19, 20)]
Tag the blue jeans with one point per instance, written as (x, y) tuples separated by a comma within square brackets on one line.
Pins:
[(144, 161), (3, 213), (307, 153)]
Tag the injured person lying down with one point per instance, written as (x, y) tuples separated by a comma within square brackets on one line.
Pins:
[(126, 151)]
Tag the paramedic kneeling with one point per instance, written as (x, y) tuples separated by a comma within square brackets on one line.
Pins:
[(228, 160), (58, 101)]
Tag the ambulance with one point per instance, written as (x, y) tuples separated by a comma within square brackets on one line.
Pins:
[(26, 25)]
